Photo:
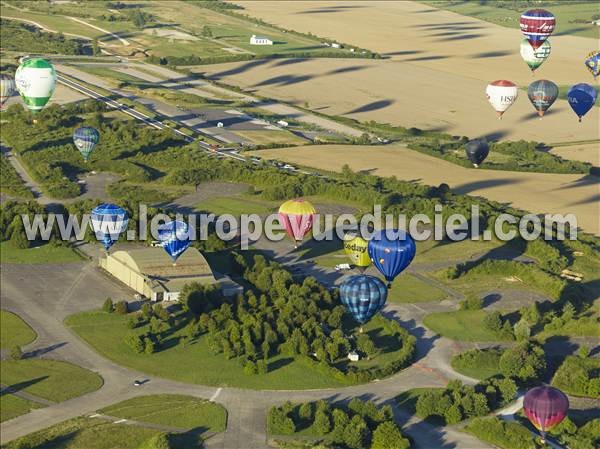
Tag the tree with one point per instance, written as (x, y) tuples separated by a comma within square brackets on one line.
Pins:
[(262, 367), (138, 18), (453, 415), (493, 321), (121, 308), (207, 32), (524, 361), (522, 330), (366, 345), (306, 411), (158, 441), (387, 435), (356, 433), (19, 238), (250, 368), (583, 352), (16, 353), (135, 342), (147, 310), (148, 345), (322, 422), (95, 47), (279, 422), (108, 306), (340, 421), (568, 312)]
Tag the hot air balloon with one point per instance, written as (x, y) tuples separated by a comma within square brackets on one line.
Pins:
[(108, 222), (582, 98), (297, 217), (501, 94), (535, 57), (537, 25), (174, 238), (391, 255), (477, 150), (35, 80), (7, 88), (355, 248), (542, 94), (363, 296), (592, 62), (85, 139), (545, 407)]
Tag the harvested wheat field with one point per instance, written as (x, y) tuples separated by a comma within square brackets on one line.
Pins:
[(587, 152), (534, 192), (438, 64)]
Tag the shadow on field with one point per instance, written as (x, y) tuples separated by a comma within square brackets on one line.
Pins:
[(426, 58), (41, 351), (491, 54), (403, 53), (354, 68), (239, 69), (470, 187), (14, 388), (374, 106), (462, 37), (285, 62)]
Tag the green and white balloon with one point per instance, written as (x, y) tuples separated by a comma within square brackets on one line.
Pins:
[(535, 57), (35, 80)]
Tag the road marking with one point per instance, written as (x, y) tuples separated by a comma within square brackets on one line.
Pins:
[(120, 421), (215, 395)]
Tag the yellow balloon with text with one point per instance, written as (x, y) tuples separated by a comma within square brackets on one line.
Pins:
[(356, 249)]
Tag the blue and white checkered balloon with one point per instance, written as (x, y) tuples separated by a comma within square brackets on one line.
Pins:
[(363, 296), (174, 238)]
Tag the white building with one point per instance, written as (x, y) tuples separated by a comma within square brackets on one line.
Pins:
[(353, 356), (259, 40), (336, 45)]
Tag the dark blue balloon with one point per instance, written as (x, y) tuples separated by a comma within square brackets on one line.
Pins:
[(582, 98), (363, 296), (392, 253), (174, 238), (108, 222)]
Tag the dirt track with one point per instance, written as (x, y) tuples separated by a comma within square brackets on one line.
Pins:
[(534, 192), (434, 78)]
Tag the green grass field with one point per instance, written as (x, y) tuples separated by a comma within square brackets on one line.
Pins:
[(432, 251), (12, 406), (566, 14), (407, 288), (235, 206), (479, 365), (195, 363), (14, 331), (84, 433), (38, 254), (185, 412), (49, 379), (462, 325)]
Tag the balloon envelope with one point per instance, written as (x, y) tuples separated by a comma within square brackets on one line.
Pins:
[(363, 296), (297, 217), (537, 25), (592, 62), (35, 80), (7, 88), (477, 150), (356, 249), (582, 98), (545, 407), (85, 139), (542, 94), (108, 222), (501, 94), (391, 251), (535, 57), (174, 238)]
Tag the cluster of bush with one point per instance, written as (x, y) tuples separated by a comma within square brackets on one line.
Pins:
[(584, 436), (579, 375), (17, 36), (159, 322), (505, 435), (458, 402), (523, 362), (303, 320), (359, 425), (11, 224), (10, 181)]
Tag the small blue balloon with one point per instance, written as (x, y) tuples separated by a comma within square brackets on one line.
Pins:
[(582, 98), (391, 251), (108, 222), (363, 296), (174, 238)]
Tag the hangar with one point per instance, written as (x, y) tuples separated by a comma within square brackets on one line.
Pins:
[(151, 273)]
